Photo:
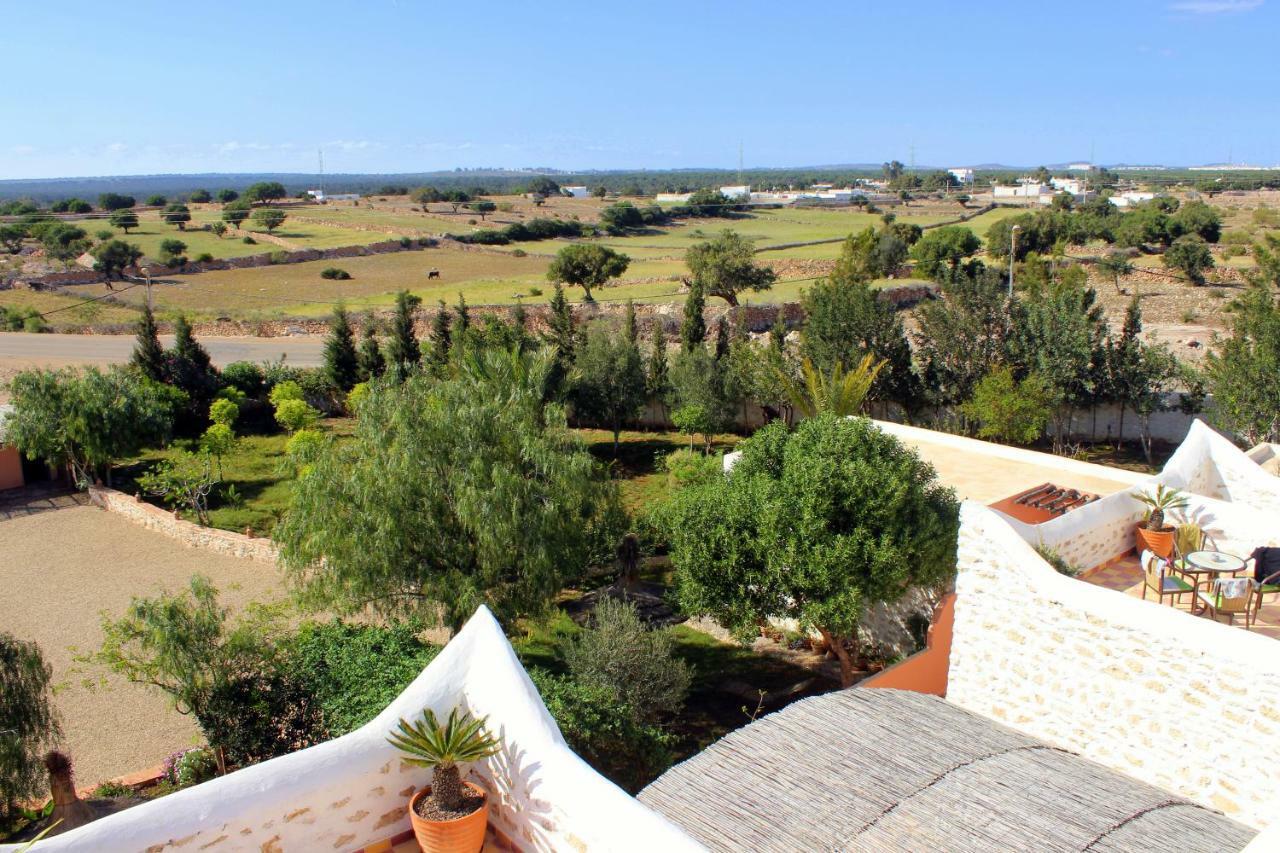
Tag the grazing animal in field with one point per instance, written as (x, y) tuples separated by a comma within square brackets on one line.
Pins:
[(433, 273)]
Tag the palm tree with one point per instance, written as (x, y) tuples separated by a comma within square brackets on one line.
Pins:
[(838, 393), (441, 748)]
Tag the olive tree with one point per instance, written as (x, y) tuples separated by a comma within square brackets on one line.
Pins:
[(726, 266), (269, 218), (586, 265), (1244, 369), (28, 722), (1189, 254), (814, 525), (451, 494)]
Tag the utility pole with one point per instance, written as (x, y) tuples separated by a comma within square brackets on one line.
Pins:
[(1013, 253), (146, 271)]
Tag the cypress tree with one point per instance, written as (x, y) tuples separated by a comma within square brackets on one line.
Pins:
[(722, 339), (187, 348), (341, 363), (694, 329), (148, 355), (561, 323), (403, 352), (657, 382), (370, 362), (441, 337), (629, 324), (464, 320)]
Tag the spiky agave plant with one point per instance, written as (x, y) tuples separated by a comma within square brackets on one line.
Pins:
[(441, 749), (1162, 500)]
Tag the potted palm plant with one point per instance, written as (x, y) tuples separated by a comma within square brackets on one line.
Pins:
[(1154, 534), (449, 815)]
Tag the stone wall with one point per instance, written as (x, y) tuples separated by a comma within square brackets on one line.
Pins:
[(1183, 703), (192, 535)]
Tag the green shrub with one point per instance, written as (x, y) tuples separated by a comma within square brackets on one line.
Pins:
[(533, 291), (354, 671), (295, 415), (689, 468), (34, 323), (518, 253), (1008, 410), (249, 241), (110, 789), (279, 257), (204, 258), (288, 389), (191, 767), (605, 732), (638, 666), (406, 242), (246, 377), (1059, 562), (335, 273)]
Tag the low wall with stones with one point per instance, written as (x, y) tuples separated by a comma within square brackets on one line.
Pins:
[(1184, 703), (193, 535)]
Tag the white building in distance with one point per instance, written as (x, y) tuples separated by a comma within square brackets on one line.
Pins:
[(576, 192), (964, 176)]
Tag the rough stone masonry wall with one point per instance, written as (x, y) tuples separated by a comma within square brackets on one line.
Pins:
[(1181, 702), (192, 535)]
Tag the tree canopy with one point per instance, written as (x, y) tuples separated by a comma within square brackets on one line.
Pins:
[(451, 493), (587, 265), (29, 723), (814, 525), (725, 267)]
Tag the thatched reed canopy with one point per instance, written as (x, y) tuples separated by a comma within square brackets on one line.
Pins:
[(875, 769)]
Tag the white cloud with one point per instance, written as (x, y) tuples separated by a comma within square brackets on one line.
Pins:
[(23, 150), (1215, 7), (116, 147)]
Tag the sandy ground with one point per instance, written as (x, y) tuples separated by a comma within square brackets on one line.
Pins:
[(59, 570)]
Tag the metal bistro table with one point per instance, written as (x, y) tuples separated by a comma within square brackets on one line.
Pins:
[(1208, 565)]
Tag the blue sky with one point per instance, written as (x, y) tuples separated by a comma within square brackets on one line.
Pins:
[(399, 86)]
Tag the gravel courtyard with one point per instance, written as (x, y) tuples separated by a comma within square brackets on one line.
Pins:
[(59, 570)]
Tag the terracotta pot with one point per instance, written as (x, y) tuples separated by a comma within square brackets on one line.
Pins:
[(462, 835), (1158, 542)]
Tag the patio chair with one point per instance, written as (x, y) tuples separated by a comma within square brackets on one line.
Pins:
[(1189, 538), (1266, 572), (1231, 597), (1156, 577)]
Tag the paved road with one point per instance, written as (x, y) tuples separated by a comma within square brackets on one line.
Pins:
[(20, 349)]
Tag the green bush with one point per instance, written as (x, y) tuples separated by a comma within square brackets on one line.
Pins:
[(249, 241), (110, 789), (279, 257), (295, 415), (354, 671), (620, 654), (533, 291), (606, 733), (690, 468), (193, 766), (289, 389), (246, 377), (335, 273), (204, 258)]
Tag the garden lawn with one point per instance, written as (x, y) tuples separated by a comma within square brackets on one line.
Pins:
[(638, 464), (258, 468)]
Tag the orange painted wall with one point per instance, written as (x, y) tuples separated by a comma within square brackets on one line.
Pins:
[(10, 468), (926, 671)]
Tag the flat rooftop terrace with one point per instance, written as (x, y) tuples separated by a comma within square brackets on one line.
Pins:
[(986, 472)]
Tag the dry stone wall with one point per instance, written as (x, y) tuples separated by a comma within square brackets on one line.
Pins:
[(1183, 703), (192, 535)]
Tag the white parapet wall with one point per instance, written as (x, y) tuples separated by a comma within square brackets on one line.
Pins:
[(354, 791), (1184, 703)]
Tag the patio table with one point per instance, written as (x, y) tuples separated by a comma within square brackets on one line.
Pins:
[(1208, 565)]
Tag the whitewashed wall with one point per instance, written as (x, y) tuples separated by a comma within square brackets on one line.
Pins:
[(1186, 704), (353, 791)]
